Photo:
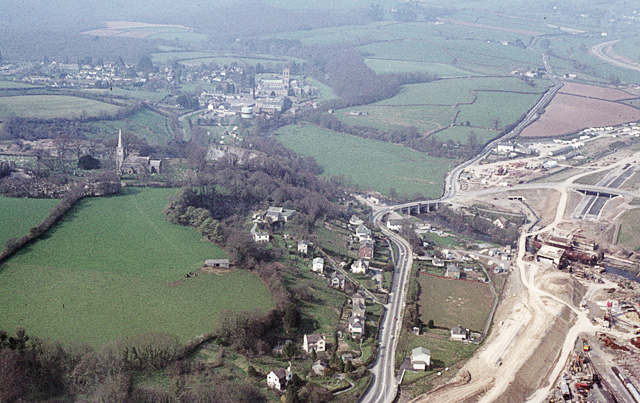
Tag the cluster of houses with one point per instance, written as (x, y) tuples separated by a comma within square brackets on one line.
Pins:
[(356, 325), (365, 238), (274, 216)]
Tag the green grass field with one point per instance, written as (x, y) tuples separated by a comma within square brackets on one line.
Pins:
[(629, 47), (629, 233), (454, 302), (12, 85), (381, 66), (54, 106), (444, 352), (144, 123), (461, 134), (131, 92), (105, 271), (423, 117), (166, 57), (505, 106), (369, 163), (459, 90), (410, 50), (18, 215)]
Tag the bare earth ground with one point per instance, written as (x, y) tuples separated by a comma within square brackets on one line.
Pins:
[(536, 324), (592, 91), (568, 114)]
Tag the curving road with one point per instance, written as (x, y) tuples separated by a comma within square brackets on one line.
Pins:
[(598, 51), (384, 385)]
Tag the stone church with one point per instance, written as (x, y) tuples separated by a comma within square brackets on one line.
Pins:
[(134, 164)]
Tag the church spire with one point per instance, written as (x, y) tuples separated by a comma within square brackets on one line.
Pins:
[(119, 153)]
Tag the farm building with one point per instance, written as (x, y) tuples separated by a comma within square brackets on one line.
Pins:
[(278, 214), (459, 333), (420, 359), (453, 271), (222, 263)]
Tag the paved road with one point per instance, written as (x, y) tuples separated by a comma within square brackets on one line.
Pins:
[(384, 387), (597, 51)]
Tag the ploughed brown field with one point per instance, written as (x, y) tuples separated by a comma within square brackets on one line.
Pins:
[(592, 91), (578, 106)]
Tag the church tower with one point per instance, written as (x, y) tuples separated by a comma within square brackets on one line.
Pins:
[(285, 77), (119, 153)]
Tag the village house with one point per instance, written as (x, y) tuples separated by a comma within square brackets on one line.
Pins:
[(355, 221), (318, 265), (279, 378), (315, 342), (395, 224), (366, 250), (359, 310), (420, 359), (260, 237), (303, 246), (360, 266), (338, 280), (358, 299), (222, 263), (500, 223), (363, 233), (459, 333), (356, 326), (437, 262), (447, 254), (453, 271)]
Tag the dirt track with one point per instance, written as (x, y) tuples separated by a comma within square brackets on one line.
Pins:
[(538, 314)]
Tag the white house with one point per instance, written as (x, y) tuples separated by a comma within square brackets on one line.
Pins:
[(318, 265), (260, 237), (420, 359), (356, 326), (354, 220), (278, 379), (303, 246), (394, 224), (338, 280), (315, 342), (500, 223), (363, 233), (360, 266), (459, 333)]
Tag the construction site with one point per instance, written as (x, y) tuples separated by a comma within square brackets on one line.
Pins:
[(567, 326)]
